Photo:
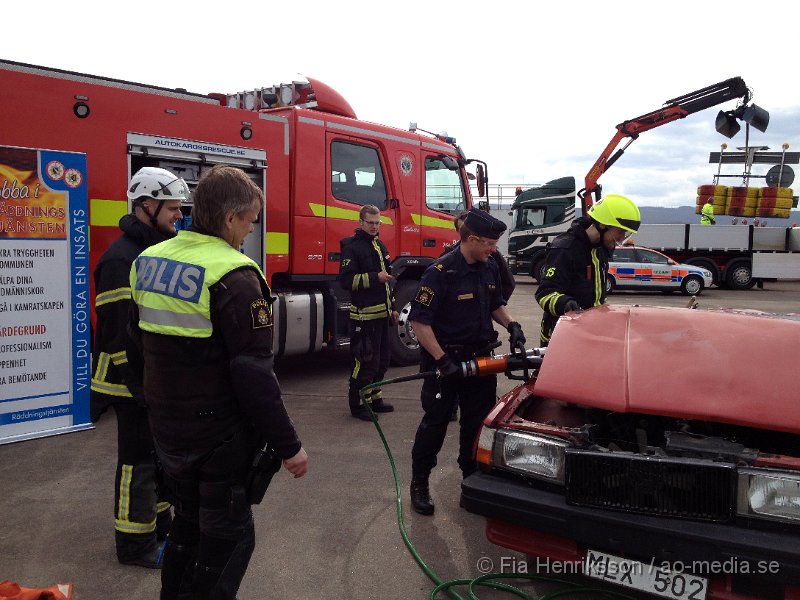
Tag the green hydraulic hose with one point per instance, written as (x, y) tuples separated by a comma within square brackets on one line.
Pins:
[(486, 580)]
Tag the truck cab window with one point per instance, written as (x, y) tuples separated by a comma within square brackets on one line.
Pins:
[(530, 216), (356, 175), (443, 187)]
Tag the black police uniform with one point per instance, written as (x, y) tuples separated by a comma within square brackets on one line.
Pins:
[(212, 402), (141, 517), (506, 276), (575, 270), (457, 300), (363, 256)]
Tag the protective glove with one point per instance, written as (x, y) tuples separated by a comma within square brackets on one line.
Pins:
[(572, 305), (448, 369), (516, 338)]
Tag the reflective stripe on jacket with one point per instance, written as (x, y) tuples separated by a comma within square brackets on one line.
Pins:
[(170, 282)]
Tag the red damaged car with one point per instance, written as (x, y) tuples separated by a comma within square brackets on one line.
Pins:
[(656, 449)]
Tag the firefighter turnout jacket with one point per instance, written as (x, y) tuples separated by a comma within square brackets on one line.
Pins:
[(203, 317), (574, 270), (112, 302), (363, 257)]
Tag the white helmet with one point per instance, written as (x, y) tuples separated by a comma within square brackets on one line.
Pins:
[(154, 183)]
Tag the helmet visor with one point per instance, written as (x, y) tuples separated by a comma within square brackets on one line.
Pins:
[(624, 238), (175, 190)]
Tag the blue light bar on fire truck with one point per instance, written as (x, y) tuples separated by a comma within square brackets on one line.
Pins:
[(297, 93)]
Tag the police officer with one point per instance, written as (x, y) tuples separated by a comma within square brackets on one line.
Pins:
[(365, 271), (576, 263), (506, 277), (203, 322), (140, 519), (459, 296)]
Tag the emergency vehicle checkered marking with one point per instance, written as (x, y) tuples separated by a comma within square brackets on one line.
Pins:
[(260, 313), (425, 295)]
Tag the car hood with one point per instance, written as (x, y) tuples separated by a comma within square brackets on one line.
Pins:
[(706, 365)]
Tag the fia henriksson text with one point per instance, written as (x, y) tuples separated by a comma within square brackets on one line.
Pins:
[(601, 567)]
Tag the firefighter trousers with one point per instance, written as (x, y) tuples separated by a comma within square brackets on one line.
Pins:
[(369, 349), (141, 516)]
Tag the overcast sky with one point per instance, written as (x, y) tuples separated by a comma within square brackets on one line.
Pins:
[(534, 89)]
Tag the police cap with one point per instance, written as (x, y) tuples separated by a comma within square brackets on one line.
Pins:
[(483, 224)]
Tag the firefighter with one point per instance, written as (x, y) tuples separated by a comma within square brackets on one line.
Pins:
[(202, 322), (459, 296), (576, 263), (707, 213), (140, 519), (365, 271)]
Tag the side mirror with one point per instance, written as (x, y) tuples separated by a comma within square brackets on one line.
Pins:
[(481, 176)]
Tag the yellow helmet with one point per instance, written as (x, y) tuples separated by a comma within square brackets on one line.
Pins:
[(616, 211)]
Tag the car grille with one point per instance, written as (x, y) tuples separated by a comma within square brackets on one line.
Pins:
[(677, 488)]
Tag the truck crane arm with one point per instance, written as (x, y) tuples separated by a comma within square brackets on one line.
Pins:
[(674, 109)]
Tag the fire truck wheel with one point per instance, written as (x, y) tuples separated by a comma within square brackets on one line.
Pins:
[(739, 274), (403, 342)]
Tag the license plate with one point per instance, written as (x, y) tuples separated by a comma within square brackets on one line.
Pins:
[(653, 578)]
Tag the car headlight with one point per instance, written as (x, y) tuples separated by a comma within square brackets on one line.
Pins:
[(767, 494), (531, 454)]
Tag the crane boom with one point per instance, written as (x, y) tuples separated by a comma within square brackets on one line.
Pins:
[(674, 109)]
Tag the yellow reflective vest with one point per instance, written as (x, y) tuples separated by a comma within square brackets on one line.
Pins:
[(171, 281)]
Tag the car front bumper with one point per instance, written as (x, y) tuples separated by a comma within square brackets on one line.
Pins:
[(527, 509)]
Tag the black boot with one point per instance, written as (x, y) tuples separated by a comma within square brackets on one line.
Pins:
[(421, 497), (379, 406)]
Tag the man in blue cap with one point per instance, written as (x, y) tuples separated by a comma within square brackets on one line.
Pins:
[(458, 298)]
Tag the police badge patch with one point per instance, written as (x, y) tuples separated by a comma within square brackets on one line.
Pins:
[(425, 295), (261, 314)]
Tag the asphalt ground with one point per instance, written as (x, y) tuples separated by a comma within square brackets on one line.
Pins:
[(333, 533)]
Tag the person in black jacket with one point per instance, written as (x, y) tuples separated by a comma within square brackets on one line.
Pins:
[(200, 342), (576, 263), (506, 276), (365, 271), (140, 520), (458, 298)]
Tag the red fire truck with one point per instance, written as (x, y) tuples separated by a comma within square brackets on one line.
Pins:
[(301, 142)]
